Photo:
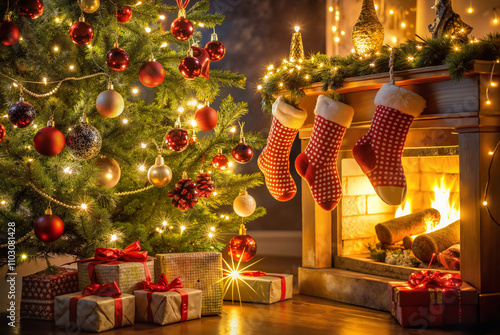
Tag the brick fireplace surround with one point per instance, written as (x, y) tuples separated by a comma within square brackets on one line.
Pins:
[(457, 120)]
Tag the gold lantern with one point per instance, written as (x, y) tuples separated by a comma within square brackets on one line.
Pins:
[(296, 48), (368, 32)]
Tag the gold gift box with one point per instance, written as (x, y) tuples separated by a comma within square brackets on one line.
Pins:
[(261, 289)]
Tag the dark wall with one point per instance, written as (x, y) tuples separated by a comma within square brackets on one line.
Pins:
[(256, 34)]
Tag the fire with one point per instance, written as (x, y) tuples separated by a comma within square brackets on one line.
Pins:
[(403, 210)]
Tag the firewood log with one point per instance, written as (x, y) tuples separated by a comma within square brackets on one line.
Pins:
[(407, 242), (425, 245), (393, 231)]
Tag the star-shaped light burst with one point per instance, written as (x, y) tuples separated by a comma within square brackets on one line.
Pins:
[(233, 276)]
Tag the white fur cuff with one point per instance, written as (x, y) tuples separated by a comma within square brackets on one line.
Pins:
[(334, 111), (399, 98), (288, 116)]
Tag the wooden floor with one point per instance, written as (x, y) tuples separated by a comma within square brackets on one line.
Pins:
[(302, 315)]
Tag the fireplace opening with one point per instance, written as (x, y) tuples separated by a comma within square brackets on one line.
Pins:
[(430, 213)]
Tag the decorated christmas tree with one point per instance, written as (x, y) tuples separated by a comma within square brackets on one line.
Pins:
[(109, 159)]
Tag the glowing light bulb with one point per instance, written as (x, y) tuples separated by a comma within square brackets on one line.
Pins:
[(233, 129), (3, 202), (183, 228), (210, 235), (23, 256), (493, 84), (330, 9), (142, 168), (227, 217), (193, 102), (135, 90), (403, 25), (71, 67), (230, 164), (148, 30), (372, 64), (143, 145), (259, 87), (410, 58), (222, 216), (113, 237), (162, 17), (334, 28), (394, 40), (470, 10), (491, 153), (164, 223), (495, 21), (336, 39), (109, 175), (214, 194), (488, 102), (376, 7), (45, 80), (35, 126), (180, 109), (297, 28), (57, 19), (200, 106), (193, 122), (83, 206), (125, 121), (353, 50), (212, 228), (391, 12), (163, 45), (485, 203), (56, 48), (201, 25), (235, 274), (307, 77)]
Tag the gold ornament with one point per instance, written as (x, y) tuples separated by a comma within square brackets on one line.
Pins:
[(368, 32), (109, 103), (159, 174), (89, 6), (244, 205), (110, 172), (296, 48)]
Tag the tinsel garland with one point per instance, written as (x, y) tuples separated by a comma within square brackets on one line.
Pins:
[(292, 77)]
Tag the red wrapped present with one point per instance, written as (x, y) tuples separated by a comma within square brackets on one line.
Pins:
[(96, 309), (163, 302), (431, 299), (40, 289)]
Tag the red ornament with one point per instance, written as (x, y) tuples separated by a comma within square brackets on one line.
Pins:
[(193, 139), (242, 152), (204, 59), (242, 247), (48, 227), (184, 194), (9, 33), (151, 74), (205, 185), (177, 139), (124, 14), (220, 162), (81, 32), (117, 59), (190, 67), (49, 141), (182, 29), (206, 118), (216, 50), (32, 9), (3, 132), (21, 114)]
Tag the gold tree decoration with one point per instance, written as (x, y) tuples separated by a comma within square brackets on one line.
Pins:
[(296, 47), (368, 32)]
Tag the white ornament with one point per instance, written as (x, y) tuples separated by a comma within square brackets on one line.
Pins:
[(244, 205)]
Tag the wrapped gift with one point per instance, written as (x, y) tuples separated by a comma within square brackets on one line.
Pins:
[(198, 270), (127, 267), (96, 309), (165, 303), (40, 289), (260, 287), (433, 299)]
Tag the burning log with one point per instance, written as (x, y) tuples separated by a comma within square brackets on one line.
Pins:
[(395, 230), (407, 242), (425, 245)]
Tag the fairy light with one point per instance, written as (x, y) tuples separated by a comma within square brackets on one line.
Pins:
[(488, 102), (419, 47), (109, 175), (56, 48), (321, 65), (376, 7), (372, 64), (162, 17), (164, 223), (410, 58), (297, 28), (334, 28), (493, 84), (143, 145), (353, 50), (35, 126), (233, 129), (180, 109), (125, 121), (259, 87), (270, 67), (71, 67), (135, 90), (57, 19), (215, 193), (3, 202), (230, 164), (222, 216), (67, 170), (330, 9), (163, 45), (83, 206), (307, 77), (336, 39), (485, 203), (403, 25), (227, 217), (201, 25), (45, 80), (30, 159), (200, 106), (394, 40), (212, 228), (24, 256), (193, 122), (142, 168), (491, 153), (391, 12), (148, 30), (113, 237), (210, 235), (183, 228), (193, 102)]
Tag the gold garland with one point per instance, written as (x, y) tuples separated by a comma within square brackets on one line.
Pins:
[(20, 240), (134, 192)]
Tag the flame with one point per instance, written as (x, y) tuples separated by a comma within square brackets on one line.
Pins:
[(447, 207), (403, 209)]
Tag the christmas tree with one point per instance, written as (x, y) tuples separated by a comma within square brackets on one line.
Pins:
[(61, 74)]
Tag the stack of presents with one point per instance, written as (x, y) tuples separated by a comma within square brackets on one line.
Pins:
[(117, 288)]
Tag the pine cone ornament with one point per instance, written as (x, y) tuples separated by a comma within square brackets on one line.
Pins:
[(205, 185), (184, 194), (177, 139)]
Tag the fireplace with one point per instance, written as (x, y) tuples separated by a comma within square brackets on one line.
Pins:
[(446, 155)]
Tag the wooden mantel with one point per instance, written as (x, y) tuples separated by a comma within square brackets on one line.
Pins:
[(457, 115)]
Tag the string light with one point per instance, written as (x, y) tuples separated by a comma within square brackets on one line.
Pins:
[(391, 12), (135, 90), (71, 67), (485, 203), (193, 122), (334, 28), (336, 39), (162, 17), (330, 9), (142, 168), (222, 216), (24, 256), (164, 223), (180, 109), (210, 235), (3, 202), (83, 206), (342, 33), (215, 193), (125, 121), (233, 129), (67, 170), (148, 30), (143, 145), (57, 19), (201, 25), (403, 25), (163, 45), (230, 164), (113, 238), (490, 153), (212, 228), (182, 229), (259, 87), (45, 80), (56, 48)]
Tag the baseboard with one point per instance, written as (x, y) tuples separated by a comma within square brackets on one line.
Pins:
[(283, 243)]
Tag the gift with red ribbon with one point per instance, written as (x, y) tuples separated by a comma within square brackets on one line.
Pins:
[(260, 287), (432, 298), (127, 267), (98, 308), (163, 302)]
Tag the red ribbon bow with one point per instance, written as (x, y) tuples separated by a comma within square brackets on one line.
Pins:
[(182, 4), (105, 290), (436, 279), (132, 253), (163, 286)]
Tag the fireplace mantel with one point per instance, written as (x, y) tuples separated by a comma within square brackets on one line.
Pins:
[(456, 116)]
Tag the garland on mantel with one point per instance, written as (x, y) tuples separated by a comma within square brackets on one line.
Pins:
[(293, 77)]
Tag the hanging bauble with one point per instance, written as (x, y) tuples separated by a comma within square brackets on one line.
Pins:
[(83, 140), (21, 114), (89, 6), (182, 29), (205, 185), (204, 59), (110, 172), (81, 32), (124, 14), (159, 175), (49, 141), (31, 9), (215, 48), (242, 153), (184, 194), (177, 139), (109, 103), (220, 162), (190, 67), (242, 247), (368, 32), (151, 73), (206, 118), (244, 205), (193, 139), (9, 33), (3, 132), (117, 59), (48, 227)]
